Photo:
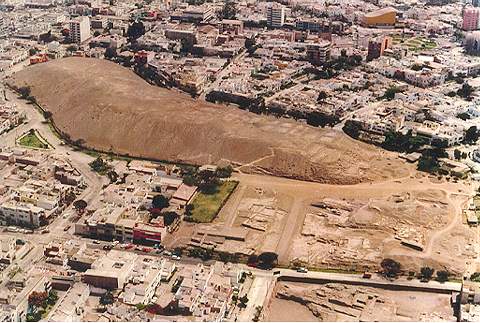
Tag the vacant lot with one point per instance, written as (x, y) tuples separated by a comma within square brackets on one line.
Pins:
[(207, 206), (107, 107), (31, 140)]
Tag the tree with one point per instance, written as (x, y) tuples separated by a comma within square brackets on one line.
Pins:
[(322, 96), (390, 267), (457, 154), (112, 176), (224, 172), (189, 209), (243, 301), (320, 119), (471, 135), (207, 181), (37, 299), (99, 165), (352, 128), (463, 115), (426, 273), (169, 217), (47, 115), (250, 44), (135, 30), (442, 275), (72, 48), (229, 10), (106, 298), (52, 297), (390, 93), (110, 53), (32, 51), (160, 202), (465, 91), (80, 204), (24, 92), (189, 180), (267, 260)]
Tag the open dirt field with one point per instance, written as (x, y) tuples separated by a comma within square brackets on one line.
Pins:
[(339, 302), (109, 108)]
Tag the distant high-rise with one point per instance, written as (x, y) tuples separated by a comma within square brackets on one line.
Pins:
[(470, 19), (476, 3), (275, 15), (80, 30)]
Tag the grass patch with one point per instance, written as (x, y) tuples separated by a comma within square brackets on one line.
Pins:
[(207, 206), (32, 140), (415, 43)]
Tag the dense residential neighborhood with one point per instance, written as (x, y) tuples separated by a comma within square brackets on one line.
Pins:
[(221, 160)]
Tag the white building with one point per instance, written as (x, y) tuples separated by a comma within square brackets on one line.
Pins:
[(7, 249), (21, 214), (80, 30), (275, 15)]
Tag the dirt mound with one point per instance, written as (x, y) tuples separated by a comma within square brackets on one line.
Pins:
[(109, 108)]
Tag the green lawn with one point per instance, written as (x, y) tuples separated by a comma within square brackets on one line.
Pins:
[(415, 43), (207, 206), (32, 140)]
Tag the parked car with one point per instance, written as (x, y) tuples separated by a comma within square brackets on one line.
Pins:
[(129, 246), (367, 275), (302, 270)]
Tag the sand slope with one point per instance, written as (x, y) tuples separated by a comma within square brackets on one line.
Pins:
[(111, 108)]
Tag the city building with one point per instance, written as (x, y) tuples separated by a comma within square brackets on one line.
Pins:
[(275, 15), (377, 47), (382, 17), (318, 52), (470, 19), (472, 43), (80, 30), (111, 271)]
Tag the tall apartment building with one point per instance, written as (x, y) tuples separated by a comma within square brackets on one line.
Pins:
[(319, 52), (275, 15), (470, 19), (476, 3), (80, 30)]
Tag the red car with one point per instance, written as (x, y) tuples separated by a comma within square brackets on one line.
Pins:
[(146, 249), (129, 246)]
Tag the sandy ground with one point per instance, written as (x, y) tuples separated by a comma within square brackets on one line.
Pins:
[(339, 302), (109, 108), (282, 310)]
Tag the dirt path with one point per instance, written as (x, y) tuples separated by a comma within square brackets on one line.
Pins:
[(292, 224)]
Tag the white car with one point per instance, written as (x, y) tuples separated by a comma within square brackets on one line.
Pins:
[(175, 257), (302, 270)]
